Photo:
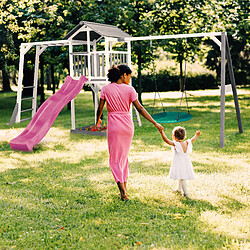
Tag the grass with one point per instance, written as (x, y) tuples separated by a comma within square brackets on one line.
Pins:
[(63, 195)]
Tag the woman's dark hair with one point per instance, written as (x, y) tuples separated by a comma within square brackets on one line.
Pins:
[(115, 72), (179, 133)]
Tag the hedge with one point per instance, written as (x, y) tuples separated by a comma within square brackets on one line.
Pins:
[(167, 82)]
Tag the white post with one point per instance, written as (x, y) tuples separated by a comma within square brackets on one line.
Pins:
[(34, 102), (222, 89), (111, 57), (71, 73), (23, 51), (106, 56), (129, 64), (129, 54), (95, 61), (39, 51), (88, 51)]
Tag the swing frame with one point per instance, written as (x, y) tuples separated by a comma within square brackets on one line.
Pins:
[(225, 55), (184, 86)]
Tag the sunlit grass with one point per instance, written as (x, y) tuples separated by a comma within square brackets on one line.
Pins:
[(63, 195)]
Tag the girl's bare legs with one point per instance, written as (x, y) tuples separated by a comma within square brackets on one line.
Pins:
[(179, 185), (184, 187)]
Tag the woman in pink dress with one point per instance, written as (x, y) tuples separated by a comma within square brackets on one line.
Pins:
[(119, 95)]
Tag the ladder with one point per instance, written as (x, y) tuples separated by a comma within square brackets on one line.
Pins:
[(17, 112), (18, 106)]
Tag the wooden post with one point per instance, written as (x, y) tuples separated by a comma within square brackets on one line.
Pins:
[(71, 73), (23, 51), (107, 53), (232, 80), (222, 89), (34, 102)]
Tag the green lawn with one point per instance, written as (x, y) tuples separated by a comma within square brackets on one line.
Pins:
[(63, 195)]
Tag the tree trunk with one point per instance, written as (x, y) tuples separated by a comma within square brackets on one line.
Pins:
[(139, 77), (6, 79), (53, 78), (42, 99), (181, 82), (28, 80), (69, 103)]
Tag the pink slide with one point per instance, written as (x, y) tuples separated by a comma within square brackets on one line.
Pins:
[(46, 115)]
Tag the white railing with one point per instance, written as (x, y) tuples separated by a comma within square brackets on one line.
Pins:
[(97, 63)]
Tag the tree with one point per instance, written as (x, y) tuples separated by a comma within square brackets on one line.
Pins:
[(4, 53), (137, 21), (233, 17), (180, 17)]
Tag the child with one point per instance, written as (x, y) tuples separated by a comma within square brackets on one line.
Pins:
[(181, 168)]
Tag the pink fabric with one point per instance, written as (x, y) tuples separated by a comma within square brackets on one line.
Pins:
[(120, 127)]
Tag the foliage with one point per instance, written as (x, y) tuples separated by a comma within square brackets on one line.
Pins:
[(180, 17), (35, 20), (233, 17), (166, 81)]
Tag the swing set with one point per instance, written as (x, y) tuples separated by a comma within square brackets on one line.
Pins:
[(93, 64), (177, 116), (225, 61)]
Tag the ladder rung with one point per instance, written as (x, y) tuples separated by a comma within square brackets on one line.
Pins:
[(28, 98), (25, 119), (25, 110), (28, 87)]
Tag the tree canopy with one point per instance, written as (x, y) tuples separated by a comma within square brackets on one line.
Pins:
[(35, 20)]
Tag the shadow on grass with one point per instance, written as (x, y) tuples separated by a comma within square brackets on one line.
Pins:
[(60, 212), (199, 205), (232, 204), (57, 202)]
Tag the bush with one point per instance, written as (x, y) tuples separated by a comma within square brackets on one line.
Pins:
[(167, 82)]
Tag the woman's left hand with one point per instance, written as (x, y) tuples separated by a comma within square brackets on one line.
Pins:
[(160, 128)]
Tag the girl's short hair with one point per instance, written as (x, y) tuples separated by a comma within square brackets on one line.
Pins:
[(115, 72), (179, 133)]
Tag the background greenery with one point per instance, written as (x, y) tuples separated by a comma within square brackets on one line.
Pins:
[(35, 20)]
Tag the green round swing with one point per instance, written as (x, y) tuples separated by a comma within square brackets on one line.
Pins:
[(171, 117)]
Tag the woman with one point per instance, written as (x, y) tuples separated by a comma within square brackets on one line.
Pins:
[(119, 95)]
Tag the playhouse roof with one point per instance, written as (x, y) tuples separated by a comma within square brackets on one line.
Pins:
[(97, 30)]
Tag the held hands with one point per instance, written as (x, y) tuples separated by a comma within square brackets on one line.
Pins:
[(160, 128)]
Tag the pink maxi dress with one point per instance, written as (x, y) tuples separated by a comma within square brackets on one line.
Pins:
[(120, 129)]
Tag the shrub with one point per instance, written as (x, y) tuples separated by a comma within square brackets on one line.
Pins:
[(168, 82)]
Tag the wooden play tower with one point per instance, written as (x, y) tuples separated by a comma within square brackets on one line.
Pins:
[(91, 54)]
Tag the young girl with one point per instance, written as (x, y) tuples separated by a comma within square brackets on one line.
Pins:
[(181, 168)]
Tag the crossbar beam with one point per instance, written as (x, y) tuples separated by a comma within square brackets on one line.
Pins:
[(143, 38)]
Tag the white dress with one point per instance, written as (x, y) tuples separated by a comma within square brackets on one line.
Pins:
[(181, 167)]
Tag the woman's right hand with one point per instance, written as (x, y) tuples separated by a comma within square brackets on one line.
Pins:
[(98, 124)]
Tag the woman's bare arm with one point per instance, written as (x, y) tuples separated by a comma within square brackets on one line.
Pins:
[(146, 115), (99, 111)]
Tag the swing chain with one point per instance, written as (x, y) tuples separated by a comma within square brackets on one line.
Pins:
[(184, 83), (155, 83)]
